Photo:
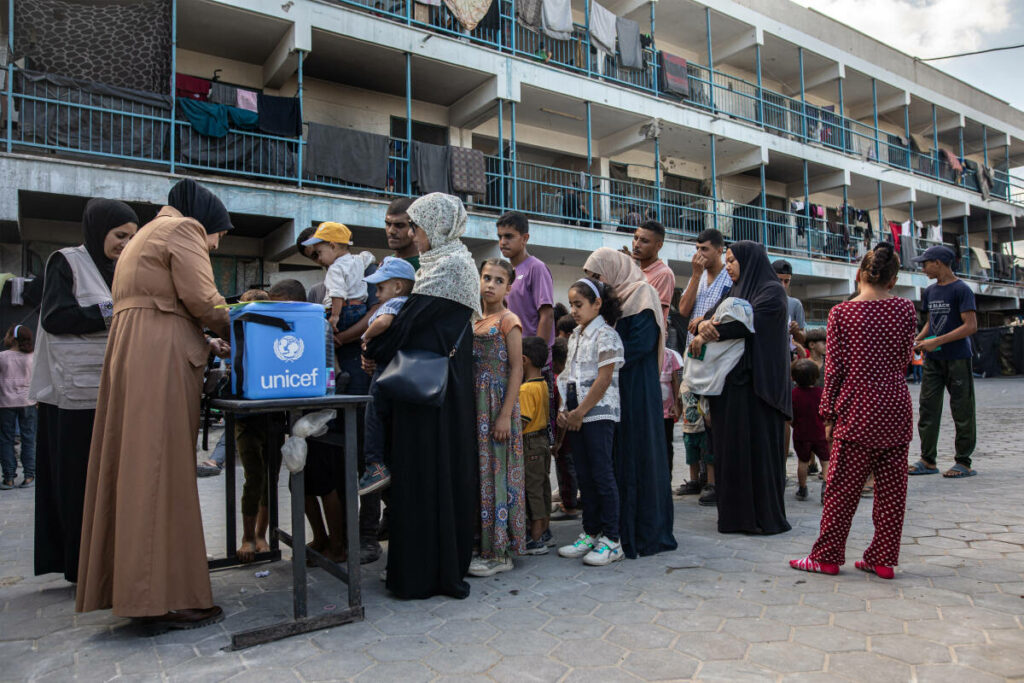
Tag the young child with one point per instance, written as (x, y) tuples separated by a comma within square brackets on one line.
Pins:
[(394, 280), (497, 375), (568, 493), (17, 413), (698, 450), (346, 291), (815, 344), (589, 388), (917, 366), (564, 327), (533, 404), (808, 427), (671, 369)]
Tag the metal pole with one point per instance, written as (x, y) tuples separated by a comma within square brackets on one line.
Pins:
[(874, 106), (501, 154), (842, 116), (1013, 258), (803, 94), (984, 143), (590, 163), (711, 67), (846, 219), (302, 136), (935, 142), (174, 77), (807, 208), (654, 51), (714, 185), (991, 247), (881, 216), (657, 173), (906, 130), (966, 251), (513, 156), (586, 37), (764, 209), (10, 74), (760, 92), (408, 121)]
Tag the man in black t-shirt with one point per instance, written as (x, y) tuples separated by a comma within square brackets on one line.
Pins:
[(945, 340)]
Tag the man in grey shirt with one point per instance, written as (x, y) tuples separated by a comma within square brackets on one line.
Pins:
[(796, 309)]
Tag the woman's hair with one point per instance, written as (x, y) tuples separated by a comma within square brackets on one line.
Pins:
[(611, 307), (805, 372), (501, 263), (254, 295), (20, 337), (816, 334), (880, 266)]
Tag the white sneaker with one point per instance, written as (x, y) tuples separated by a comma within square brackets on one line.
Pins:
[(499, 565), (481, 568), (478, 567), (605, 552), (584, 544)]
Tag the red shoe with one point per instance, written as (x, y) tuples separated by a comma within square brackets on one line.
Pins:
[(808, 565), (880, 570)]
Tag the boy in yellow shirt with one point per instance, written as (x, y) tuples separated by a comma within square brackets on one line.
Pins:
[(533, 406)]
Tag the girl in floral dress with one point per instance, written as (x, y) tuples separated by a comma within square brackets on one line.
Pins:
[(497, 374)]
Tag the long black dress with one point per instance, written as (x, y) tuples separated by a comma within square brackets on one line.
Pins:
[(62, 445), (641, 470), (433, 456)]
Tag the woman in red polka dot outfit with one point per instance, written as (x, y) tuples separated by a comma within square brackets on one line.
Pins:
[(868, 416)]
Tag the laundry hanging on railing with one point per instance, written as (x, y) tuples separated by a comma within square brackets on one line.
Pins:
[(351, 156), (556, 19), (215, 120), (222, 93), (631, 53), (237, 153), (602, 29), (247, 99), (468, 171), (469, 12), (191, 87), (429, 167), (280, 115), (529, 13), (673, 77)]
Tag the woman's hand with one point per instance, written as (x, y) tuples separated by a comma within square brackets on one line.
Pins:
[(560, 420), (829, 426), (708, 330), (573, 420), (219, 347), (696, 345), (369, 366), (503, 428)]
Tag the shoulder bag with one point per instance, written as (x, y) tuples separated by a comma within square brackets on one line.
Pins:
[(418, 376)]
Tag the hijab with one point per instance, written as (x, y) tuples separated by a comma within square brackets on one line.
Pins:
[(195, 201), (447, 270), (622, 273), (759, 285), (100, 217)]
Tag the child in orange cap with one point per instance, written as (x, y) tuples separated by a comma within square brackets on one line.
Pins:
[(346, 291)]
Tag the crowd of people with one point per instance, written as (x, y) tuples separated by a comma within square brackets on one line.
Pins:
[(462, 459)]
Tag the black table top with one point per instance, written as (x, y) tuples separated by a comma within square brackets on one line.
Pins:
[(236, 405)]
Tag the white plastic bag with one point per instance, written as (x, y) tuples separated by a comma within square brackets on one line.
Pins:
[(707, 377), (293, 452)]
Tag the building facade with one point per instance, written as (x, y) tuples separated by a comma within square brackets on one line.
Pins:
[(759, 117)]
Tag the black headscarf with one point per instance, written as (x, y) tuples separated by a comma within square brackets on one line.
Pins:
[(760, 286), (195, 201), (100, 217)]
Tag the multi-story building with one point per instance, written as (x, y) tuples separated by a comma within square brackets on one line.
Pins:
[(767, 120)]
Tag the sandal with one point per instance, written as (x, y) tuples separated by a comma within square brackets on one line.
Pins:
[(27, 483), (6, 485), (879, 570), (187, 619), (921, 467), (958, 471), (806, 564)]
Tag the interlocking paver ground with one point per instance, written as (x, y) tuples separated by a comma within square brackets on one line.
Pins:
[(719, 608)]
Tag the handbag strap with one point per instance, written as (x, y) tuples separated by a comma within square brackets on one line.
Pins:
[(238, 325), (459, 340)]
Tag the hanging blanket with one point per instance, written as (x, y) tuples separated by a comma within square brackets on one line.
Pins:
[(430, 167), (674, 78), (602, 28), (469, 174), (280, 115), (528, 12), (469, 12), (348, 155), (631, 54), (556, 19)]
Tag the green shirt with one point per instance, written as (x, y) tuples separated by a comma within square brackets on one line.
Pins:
[(414, 261)]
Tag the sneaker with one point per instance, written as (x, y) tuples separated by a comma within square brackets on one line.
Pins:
[(503, 564), (6, 485), (478, 566), (605, 552), (369, 551), (538, 547), (709, 497), (482, 568), (801, 493), (583, 544), (690, 488), (376, 478), (813, 467), (822, 493), (203, 470), (547, 539)]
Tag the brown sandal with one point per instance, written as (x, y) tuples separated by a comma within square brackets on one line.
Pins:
[(187, 619)]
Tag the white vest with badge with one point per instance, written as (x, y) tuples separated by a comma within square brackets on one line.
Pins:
[(67, 367)]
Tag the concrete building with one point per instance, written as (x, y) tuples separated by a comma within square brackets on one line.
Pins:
[(781, 118)]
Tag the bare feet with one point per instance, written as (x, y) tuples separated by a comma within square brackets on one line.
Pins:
[(262, 546), (247, 551), (335, 555)]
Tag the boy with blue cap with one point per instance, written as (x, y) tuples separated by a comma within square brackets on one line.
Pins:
[(394, 279), (945, 341)]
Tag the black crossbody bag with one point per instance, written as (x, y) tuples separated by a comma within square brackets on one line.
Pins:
[(418, 376)]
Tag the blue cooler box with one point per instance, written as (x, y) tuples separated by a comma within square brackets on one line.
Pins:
[(278, 350)]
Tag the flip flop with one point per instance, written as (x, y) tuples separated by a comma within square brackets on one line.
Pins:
[(921, 468), (958, 471)]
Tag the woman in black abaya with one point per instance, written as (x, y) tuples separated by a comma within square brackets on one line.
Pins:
[(748, 419), (433, 451)]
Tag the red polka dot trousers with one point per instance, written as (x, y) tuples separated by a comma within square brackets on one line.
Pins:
[(849, 466)]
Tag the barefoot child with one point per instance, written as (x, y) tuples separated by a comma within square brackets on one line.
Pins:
[(497, 373), (533, 403), (808, 427), (589, 387)]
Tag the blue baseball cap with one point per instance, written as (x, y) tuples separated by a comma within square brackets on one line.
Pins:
[(936, 252), (391, 267)]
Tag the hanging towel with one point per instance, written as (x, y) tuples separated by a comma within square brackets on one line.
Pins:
[(673, 77), (430, 168), (528, 12), (922, 143), (981, 258), (602, 28), (18, 291), (206, 118), (246, 99), (556, 19), (469, 171), (349, 155), (222, 93), (631, 54), (469, 12), (953, 161), (279, 115), (191, 87)]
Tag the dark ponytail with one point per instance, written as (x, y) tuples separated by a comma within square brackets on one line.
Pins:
[(880, 266), (611, 307), (20, 337)]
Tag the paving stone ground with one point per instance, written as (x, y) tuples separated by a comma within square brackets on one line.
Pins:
[(720, 607)]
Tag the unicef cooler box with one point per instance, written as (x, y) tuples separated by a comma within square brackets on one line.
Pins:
[(278, 350)]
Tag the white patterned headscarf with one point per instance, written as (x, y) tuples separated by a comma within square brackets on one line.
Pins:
[(447, 270)]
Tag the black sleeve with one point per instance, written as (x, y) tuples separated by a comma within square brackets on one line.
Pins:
[(733, 330), (60, 312), (425, 322)]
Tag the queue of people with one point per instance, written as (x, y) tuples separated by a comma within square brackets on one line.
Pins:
[(464, 469)]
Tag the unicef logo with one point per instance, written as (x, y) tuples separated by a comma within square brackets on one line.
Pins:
[(288, 348)]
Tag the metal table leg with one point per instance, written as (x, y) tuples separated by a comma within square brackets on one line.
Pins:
[(352, 507)]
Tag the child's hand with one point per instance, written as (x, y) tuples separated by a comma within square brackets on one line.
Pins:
[(560, 420), (573, 420), (333, 320), (503, 428)]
